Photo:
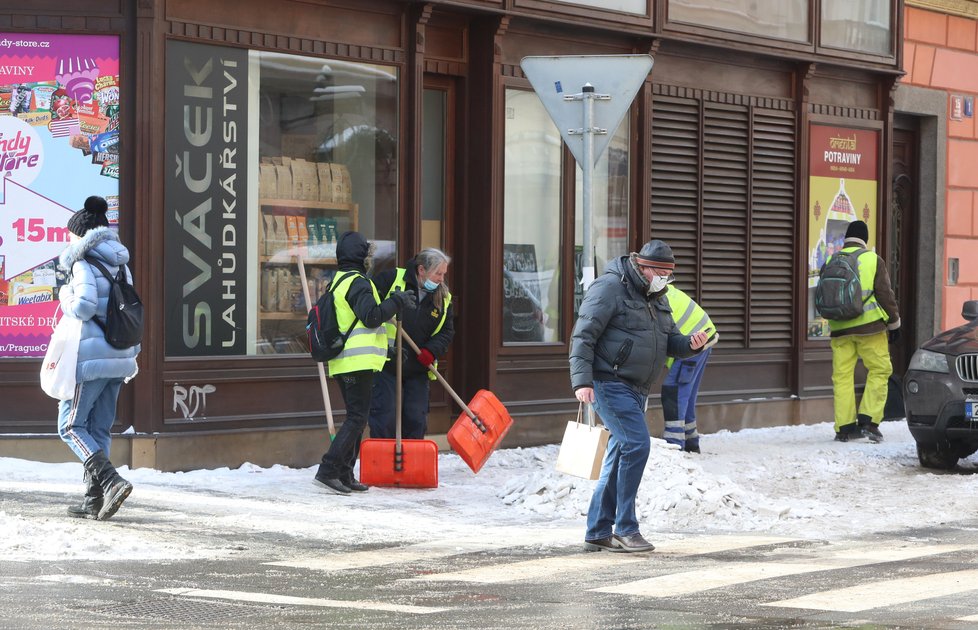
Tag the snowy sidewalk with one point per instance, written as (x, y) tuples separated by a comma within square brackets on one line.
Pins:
[(788, 481)]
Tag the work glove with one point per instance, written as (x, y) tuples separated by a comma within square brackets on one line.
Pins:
[(405, 300), (425, 357), (893, 335)]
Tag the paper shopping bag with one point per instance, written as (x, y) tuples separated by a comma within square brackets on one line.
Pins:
[(583, 447), (61, 360)]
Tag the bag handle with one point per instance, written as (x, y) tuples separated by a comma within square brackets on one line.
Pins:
[(590, 414)]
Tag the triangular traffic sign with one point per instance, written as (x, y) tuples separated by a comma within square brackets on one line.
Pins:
[(618, 76)]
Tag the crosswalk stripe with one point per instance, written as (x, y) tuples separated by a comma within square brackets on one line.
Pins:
[(534, 569), (734, 573), (269, 598), (668, 544), (428, 550), (693, 545), (886, 592), (687, 582)]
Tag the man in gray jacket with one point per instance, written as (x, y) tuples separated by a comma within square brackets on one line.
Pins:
[(622, 337)]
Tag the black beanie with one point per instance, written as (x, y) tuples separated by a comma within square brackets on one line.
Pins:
[(89, 217), (858, 229)]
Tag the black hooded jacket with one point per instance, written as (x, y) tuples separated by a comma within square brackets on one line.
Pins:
[(351, 252)]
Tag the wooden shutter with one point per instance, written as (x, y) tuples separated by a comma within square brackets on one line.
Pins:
[(723, 197), (726, 229), (772, 229), (676, 181)]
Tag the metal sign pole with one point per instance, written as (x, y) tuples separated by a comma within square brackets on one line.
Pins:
[(621, 76), (588, 96)]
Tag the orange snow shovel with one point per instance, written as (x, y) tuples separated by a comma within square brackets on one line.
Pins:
[(480, 427), (399, 463)]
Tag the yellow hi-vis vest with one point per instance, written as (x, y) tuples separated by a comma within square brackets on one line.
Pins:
[(400, 285), (365, 348), (872, 310), (689, 316)]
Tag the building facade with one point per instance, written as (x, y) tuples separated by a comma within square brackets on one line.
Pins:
[(248, 132)]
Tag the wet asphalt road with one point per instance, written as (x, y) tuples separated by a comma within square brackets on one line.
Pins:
[(904, 579)]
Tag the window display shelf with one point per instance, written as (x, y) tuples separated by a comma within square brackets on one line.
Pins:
[(289, 228), (309, 204)]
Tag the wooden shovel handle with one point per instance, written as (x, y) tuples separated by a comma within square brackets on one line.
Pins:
[(319, 365), (441, 379)]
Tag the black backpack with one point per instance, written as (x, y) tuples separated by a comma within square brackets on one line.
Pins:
[(123, 325), (839, 294), (322, 328)]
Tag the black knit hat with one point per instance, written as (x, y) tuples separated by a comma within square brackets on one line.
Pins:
[(89, 217), (657, 254), (858, 229)]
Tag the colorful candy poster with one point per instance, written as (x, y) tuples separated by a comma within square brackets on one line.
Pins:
[(59, 143), (842, 187)]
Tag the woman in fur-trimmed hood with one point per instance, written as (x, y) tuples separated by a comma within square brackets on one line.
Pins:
[(85, 422)]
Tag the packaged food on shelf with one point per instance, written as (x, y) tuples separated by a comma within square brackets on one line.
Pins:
[(325, 182)]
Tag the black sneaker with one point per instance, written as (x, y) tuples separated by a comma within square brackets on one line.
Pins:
[(632, 543), (333, 485), (355, 485), (600, 544), (692, 447)]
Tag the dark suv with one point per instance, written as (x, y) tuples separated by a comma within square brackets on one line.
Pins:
[(941, 394)]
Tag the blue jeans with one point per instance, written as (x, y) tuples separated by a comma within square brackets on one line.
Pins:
[(85, 422), (613, 503), (414, 406), (679, 391)]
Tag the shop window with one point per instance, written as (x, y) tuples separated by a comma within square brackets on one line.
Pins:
[(781, 19), (639, 7), (534, 252), (860, 25), (274, 156), (531, 222)]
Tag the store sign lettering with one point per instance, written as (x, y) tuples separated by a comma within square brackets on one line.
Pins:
[(206, 146)]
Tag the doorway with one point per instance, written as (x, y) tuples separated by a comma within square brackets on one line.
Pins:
[(439, 193), (902, 234)]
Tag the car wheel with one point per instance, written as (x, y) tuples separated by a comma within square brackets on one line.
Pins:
[(933, 456)]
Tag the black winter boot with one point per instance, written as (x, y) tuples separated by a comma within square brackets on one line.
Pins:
[(92, 503), (870, 428), (114, 487)]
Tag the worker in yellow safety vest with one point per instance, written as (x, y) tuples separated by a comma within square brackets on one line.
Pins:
[(357, 304), (430, 326), (682, 383), (865, 337)]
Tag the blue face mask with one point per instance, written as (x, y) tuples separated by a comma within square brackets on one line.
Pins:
[(430, 286)]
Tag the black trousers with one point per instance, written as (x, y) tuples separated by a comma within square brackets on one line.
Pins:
[(414, 406), (342, 455)]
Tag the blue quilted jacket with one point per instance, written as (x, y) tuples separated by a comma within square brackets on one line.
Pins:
[(87, 295)]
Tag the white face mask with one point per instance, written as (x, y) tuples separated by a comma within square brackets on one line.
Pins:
[(658, 283)]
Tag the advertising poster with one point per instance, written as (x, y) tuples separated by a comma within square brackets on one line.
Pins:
[(59, 143), (842, 188), (206, 200)]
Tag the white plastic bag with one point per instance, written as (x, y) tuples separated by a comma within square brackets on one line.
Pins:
[(61, 360)]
